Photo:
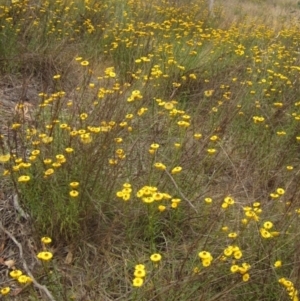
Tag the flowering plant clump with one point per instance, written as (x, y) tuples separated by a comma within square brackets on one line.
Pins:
[(139, 275), (206, 258)]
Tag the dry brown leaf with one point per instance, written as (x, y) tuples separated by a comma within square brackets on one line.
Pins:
[(69, 258), (1, 260), (9, 263)]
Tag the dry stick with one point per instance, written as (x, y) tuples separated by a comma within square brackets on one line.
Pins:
[(25, 266), (181, 194)]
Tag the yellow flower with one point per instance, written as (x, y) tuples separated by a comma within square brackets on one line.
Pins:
[(257, 119), (74, 193), (183, 123), (139, 273), (211, 151), (141, 111), (4, 291), (206, 262), (246, 277), (246, 266), (234, 268), (280, 191), (168, 105), (138, 282), (148, 200), (63, 126), (264, 233), (214, 138), (74, 184), (49, 172), (56, 164), (23, 179), (278, 264), (126, 196), (69, 150), (224, 205), (47, 161), (208, 200), (4, 158), (174, 205), (84, 63), (155, 257), (118, 140), (268, 225), (205, 255), (229, 200), (176, 170), (15, 274), (161, 208), (158, 196), (244, 221), (46, 256), (197, 135), (47, 140), (136, 94), (83, 116), (275, 233), (46, 240), (232, 235), (24, 279), (16, 168), (86, 138), (57, 76), (25, 165), (228, 251), (15, 126), (160, 166), (154, 146), (208, 93), (60, 158), (238, 254), (74, 133), (140, 267)]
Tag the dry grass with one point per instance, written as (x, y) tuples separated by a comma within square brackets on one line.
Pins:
[(275, 14), (215, 96)]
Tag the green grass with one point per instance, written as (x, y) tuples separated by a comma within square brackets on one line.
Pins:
[(132, 84)]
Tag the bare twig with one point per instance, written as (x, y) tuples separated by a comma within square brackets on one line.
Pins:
[(181, 194), (25, 266), (18, 207)]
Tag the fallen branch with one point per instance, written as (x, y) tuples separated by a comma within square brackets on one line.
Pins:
[(25, 266), (19, 208)]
